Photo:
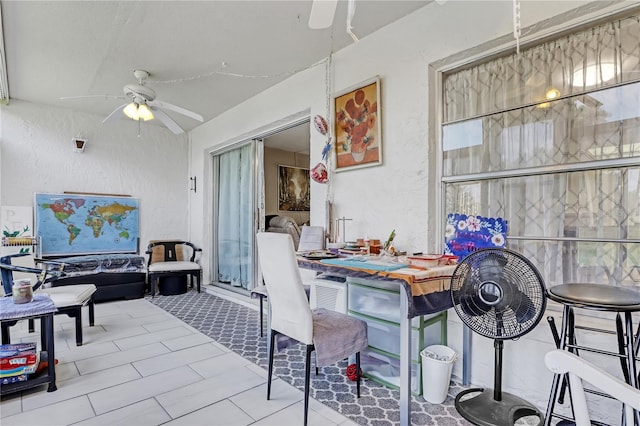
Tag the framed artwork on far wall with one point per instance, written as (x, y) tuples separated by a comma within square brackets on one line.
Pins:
[(357, 129), (294, 189)]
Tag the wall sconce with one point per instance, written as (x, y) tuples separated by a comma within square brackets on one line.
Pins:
[(79, 144), (192, 184)]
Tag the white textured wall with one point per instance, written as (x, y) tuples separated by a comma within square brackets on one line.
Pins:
[(37, 156), (395, 194), (400, 193)]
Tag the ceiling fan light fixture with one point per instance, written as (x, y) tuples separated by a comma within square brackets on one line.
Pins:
[(138, 112), (144, 106), (131, 111), (144, 112)]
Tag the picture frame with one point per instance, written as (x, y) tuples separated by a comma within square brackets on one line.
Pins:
[(294, 189), (73, 224), (357, 128)]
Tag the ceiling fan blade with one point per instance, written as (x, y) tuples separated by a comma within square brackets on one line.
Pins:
[(175, 108), (322, 12), (64, 98), (114, 114), (167, 121)]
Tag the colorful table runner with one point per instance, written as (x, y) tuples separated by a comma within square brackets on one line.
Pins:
[(369, 265)]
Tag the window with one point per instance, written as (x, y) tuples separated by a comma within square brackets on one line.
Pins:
[(549, 139)]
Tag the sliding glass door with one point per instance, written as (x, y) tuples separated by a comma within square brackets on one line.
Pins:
[(237, 209)]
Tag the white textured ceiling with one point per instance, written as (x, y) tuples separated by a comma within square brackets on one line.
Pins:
[(59, 49)]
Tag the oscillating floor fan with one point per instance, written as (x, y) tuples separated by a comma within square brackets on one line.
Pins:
[(500, 295)]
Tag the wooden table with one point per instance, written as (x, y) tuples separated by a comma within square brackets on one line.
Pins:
[(429, 296), (41, 307)]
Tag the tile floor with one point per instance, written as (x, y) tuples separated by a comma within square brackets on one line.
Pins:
[(236, 327), (143, 366)]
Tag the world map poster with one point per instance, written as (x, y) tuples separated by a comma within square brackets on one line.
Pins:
[(86, 224)]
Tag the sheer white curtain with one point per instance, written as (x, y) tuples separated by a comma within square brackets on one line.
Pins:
[(516, 131), (588, 60), (235, 217)]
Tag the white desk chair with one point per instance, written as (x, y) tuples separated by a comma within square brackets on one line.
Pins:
[(311, 238), (579, 370), (332, 335)]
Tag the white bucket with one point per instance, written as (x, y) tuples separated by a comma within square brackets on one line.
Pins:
[(437, 363)]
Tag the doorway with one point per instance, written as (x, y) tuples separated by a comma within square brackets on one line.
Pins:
[(285, 152), (246, 197)]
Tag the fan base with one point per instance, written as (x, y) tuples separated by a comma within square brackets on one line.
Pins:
[(483, 410)]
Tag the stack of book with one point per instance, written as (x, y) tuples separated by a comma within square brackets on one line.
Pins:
[(351, 251), (17, 361)]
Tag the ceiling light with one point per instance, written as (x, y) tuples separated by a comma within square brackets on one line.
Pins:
[(138, 112), (594, 74), (131, 111), (144, 112)]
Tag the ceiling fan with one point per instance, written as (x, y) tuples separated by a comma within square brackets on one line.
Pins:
[(144, 105)]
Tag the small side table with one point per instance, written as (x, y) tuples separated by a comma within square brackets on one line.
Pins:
[(41, 307)]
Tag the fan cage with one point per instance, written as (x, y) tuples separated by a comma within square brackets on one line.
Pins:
[(506, 306)]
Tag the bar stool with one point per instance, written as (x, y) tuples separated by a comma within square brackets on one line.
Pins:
[(601, 298)]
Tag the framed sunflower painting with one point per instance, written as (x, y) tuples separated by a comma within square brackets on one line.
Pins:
[(357, 129)]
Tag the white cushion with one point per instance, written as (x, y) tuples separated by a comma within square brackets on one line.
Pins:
[(70, 295), (173, 266)]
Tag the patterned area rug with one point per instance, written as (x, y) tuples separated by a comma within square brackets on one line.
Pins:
[(238, 328)]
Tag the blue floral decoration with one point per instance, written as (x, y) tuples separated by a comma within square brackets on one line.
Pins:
[(467, 233)]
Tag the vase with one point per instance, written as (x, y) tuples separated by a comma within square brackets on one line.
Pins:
[(358, 152)]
